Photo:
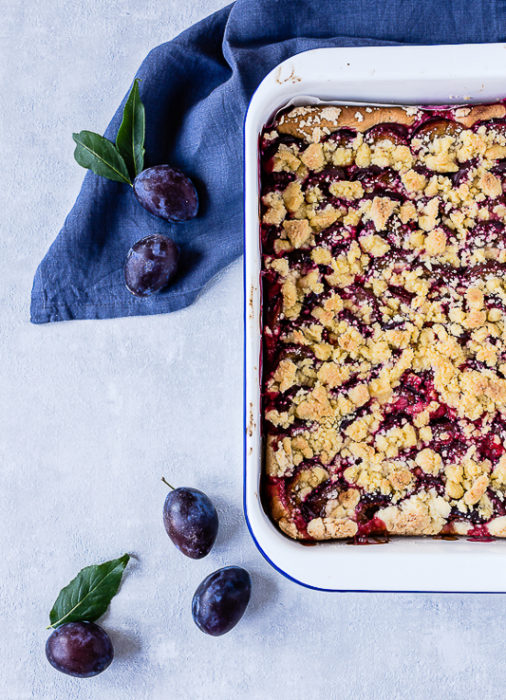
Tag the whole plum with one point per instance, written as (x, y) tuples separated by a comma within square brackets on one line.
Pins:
[(81, 649), (191, 521), (151, 264), (167, 192), (221, 600)]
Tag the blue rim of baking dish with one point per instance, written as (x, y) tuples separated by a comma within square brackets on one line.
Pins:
[(245, 418)]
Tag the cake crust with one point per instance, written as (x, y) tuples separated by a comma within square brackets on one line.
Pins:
[(311, 123)]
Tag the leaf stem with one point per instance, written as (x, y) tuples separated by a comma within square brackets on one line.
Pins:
[(167, 483)]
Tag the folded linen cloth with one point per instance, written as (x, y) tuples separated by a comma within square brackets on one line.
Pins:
[(196, 89)]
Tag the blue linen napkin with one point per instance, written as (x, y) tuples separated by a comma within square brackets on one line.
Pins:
[(196, 89)]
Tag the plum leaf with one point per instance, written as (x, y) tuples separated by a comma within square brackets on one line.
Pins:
[(100, 155), (131, 133), (87, 596)]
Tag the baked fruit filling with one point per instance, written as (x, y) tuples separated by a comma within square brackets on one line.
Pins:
[(384, 339)]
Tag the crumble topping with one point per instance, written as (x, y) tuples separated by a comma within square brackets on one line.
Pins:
[(384, 260)]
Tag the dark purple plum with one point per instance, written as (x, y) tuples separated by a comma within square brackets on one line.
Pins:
[(150, 265), (396, 133), (167, 192), (461, 176), (325, 178), (191, 521), (375, 178), (221, 599), (497, 125), (500, 169), (437, 128), (343, 137), (81, 649)]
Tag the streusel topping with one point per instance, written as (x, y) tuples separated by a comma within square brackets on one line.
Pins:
[(384, 252)]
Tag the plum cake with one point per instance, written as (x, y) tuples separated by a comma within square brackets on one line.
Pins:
[(384, 337)]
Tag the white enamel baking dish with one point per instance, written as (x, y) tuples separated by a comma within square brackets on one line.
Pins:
[(402, 75)]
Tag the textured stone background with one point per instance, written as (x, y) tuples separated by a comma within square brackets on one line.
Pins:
[(92, 414)]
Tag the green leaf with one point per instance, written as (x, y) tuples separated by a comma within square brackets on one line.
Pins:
[(87, 597), (130, 138), (100, 155)]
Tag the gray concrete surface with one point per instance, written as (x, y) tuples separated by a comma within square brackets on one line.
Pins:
[(92, 414)]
